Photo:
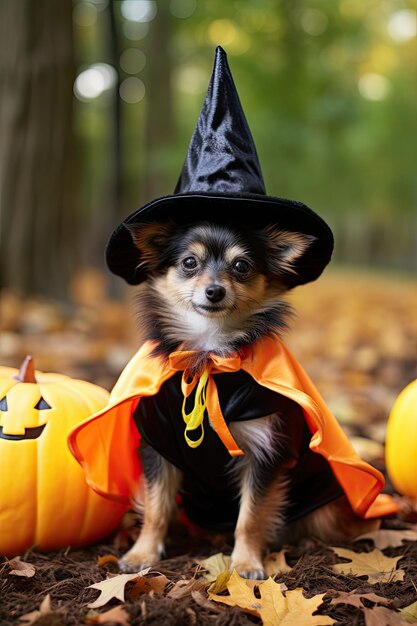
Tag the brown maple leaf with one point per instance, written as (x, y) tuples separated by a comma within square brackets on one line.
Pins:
[(381, 616), (356, 599), (375, 565), (374, 616), (149, 585)]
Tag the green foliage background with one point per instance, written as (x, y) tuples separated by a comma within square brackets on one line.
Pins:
[(298, 67)]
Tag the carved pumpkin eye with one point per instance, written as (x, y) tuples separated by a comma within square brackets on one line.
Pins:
[(42, 404), (3, 404)]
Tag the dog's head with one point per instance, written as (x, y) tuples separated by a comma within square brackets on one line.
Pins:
[(221, 283)]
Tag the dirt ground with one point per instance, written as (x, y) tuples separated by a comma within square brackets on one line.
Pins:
[(355, 333), (66, 575)]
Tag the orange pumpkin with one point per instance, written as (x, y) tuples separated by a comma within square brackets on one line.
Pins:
[(44, 498), (401, 442)]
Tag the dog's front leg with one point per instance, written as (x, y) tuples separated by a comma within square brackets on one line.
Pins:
[(263, 489), (259, 520), (161, 482)]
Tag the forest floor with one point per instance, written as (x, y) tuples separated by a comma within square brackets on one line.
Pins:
[(355, 334)]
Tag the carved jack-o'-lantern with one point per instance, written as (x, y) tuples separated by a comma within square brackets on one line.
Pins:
[(44, 498)]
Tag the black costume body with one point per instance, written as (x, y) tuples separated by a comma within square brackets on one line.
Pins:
[(209, 494)]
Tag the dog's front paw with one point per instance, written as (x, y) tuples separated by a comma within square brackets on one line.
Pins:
[(254, 571), (134, 561)]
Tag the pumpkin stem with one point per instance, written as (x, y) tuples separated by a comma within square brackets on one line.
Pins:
[(27, 371)]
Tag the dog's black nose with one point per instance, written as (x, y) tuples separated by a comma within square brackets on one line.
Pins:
[(215, 293)]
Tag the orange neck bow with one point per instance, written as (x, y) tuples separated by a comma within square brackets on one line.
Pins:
[(206, 396)]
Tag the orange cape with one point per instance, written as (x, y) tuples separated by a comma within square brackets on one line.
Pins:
[(106, 443)]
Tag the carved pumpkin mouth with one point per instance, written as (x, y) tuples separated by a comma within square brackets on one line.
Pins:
[(30, 433)]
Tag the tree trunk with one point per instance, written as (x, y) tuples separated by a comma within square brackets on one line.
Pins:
[(38, 216), (159, 120)]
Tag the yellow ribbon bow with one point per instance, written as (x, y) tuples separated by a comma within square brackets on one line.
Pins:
[(195, 418), (206, 397)]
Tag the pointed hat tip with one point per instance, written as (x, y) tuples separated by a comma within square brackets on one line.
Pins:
[(221, 63)]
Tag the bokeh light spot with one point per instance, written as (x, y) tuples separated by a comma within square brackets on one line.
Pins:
[(138, 10), (314, 22), (182, 8), (226, 33), (402, 25), (84, 14), (94, 80), (132, 60), (373, 86), (132, 90), (222, 32), (135, 31)]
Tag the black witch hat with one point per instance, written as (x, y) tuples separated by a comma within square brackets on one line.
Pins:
[(221, 181)]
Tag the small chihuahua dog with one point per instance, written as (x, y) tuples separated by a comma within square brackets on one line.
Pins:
[(215, 289)]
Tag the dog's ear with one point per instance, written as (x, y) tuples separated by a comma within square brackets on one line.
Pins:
[(151, 241), (285, 248)]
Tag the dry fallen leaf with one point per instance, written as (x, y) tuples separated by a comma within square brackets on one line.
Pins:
[(116, 615), (154, 584), (20, 568), (374, 616), (290, 609), (273, 607), (381, 616), (375, 565), (240, 594), (220, 584), (107, 558), (389, 538), (355, 599), (33, 616), (275, 563), (202, 600), (113, 587), (183, 588), (215, 565)]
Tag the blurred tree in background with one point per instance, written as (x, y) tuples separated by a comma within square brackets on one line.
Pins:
[(328, 87), (38, 209)]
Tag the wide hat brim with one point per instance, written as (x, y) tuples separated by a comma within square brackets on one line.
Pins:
[(249, 210)]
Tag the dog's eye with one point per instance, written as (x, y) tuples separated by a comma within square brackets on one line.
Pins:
[(241, 267), (189, 263)]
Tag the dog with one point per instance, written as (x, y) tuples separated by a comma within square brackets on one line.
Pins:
[(216, 289)]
